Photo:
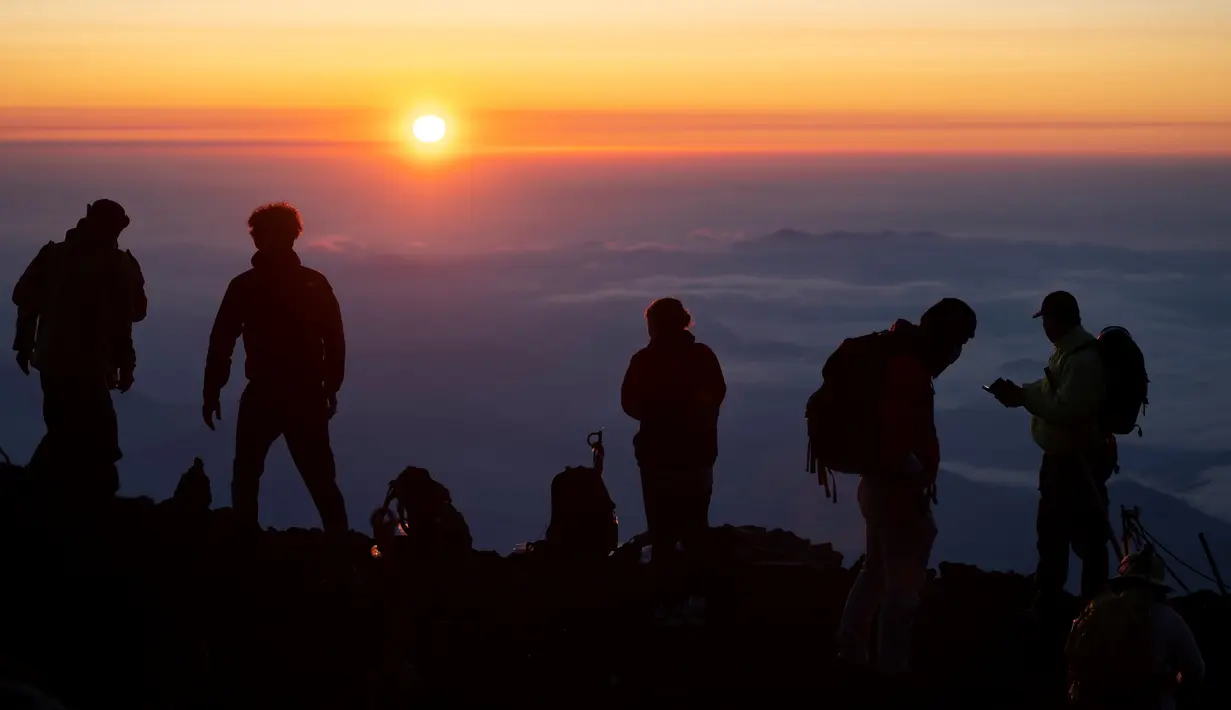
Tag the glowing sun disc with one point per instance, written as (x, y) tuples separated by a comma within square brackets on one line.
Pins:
[(429, 129)]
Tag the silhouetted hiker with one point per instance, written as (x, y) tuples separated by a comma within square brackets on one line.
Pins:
[(674, 387), (1079, 455), (422, 508), (296, 358), (1129, 649), (76, 304), (886, 401)]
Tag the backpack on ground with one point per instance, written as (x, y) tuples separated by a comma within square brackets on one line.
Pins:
[(844, 418), (1126, 380), (1110, 650), (583, 519)]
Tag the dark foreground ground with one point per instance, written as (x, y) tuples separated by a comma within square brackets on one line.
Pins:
[(165, 606)]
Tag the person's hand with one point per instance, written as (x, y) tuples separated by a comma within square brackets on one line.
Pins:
[(23, 361), (331, 404), (125, 381), (1007, 393), (211, 409)]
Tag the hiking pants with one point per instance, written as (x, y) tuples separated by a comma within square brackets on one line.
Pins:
[(891, 580), (1072, 514), (303, 419), (82, 439), (677, 511)]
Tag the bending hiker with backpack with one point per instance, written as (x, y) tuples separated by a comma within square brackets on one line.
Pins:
[(76, 305), (873, 416), (296, 358), (674, 387), (1129, 649), (1092, 389)]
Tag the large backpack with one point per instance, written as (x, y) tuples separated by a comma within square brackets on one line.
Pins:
[(844, 419), (1110, 652), (583, 520), (1126, 381)]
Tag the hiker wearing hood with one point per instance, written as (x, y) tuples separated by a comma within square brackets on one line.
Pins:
[(76, 305), (674, 387), (897, 489), (296, 355)]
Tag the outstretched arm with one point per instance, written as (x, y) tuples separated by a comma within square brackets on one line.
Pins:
[(334, 338), (139, 302), (1073, 398), (713, 382), (228, 325), (27, 296), (632, 389)]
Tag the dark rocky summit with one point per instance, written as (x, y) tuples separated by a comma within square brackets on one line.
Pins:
[(139, 604)]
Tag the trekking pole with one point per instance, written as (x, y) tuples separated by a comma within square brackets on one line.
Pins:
[(8, 461), (1222, 589), (1097, 498)]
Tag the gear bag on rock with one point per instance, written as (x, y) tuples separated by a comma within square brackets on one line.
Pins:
[(583, 520)]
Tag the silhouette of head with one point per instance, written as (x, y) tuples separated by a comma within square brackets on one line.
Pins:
[(1060, 315), (106, 218), (946, 326), (667, 317), (275, 227), (1144, 569)]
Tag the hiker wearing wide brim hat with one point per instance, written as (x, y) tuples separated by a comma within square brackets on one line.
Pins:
[(1140, 569), (1129, 648)]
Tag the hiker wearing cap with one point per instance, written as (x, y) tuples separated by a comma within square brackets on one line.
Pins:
[(295, 347), (893, 372), (1129, 648), (1078, 456), (674, 388), (76, 305)]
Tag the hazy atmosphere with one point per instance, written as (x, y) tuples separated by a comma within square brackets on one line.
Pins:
[(795, 172)]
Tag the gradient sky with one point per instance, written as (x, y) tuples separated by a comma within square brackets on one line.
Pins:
[(1049, 75)]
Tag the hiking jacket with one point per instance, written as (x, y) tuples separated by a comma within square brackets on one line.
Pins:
[(907, 428), (674, 387), (291, 325), (1064, 405), (76, 303)]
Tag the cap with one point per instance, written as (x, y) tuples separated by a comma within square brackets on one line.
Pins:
[(1059, 303)]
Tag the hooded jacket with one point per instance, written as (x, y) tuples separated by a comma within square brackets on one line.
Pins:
[(291, 324), (76, 303), (675, 388)]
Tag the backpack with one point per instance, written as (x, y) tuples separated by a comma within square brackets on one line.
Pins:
[(843, 415), (583, 520), (1110, 651), (1126, 381)]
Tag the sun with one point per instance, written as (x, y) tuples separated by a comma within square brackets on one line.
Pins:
[(429, 129)]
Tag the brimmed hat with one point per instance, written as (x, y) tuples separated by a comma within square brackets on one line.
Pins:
[(1145, 566)]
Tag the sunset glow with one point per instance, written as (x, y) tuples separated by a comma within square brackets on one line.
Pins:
[(730, 75)]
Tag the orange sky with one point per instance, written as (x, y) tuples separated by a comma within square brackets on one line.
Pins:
[(883, 75)]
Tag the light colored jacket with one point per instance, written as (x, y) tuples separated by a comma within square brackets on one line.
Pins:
[(1064, 405)]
